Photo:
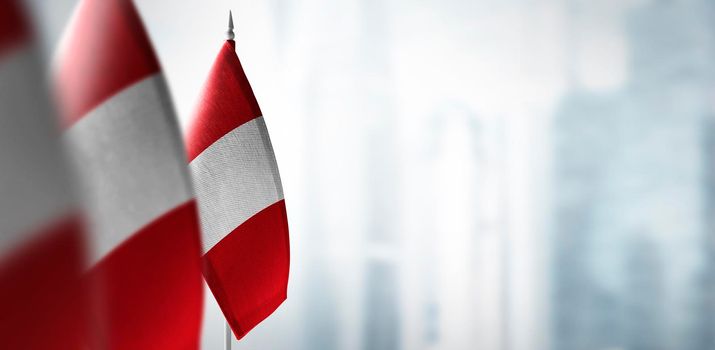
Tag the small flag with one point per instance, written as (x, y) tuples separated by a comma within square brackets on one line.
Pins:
[(124, 140), (243, 215), (41, 237)]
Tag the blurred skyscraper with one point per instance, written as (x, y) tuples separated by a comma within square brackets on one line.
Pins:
[(381, 322), (629, 227)]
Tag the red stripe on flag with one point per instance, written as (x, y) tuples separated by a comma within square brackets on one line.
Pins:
[(248, 270), (152, 285), (41, 288), (227, 101), (107, 50)]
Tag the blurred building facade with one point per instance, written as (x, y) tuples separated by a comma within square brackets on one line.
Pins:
[(631, 264)]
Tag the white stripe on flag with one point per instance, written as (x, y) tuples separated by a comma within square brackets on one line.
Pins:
[(131, 162), (34, 182), (235, 178)]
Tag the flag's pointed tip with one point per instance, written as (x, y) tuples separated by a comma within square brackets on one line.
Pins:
[(229, 34)]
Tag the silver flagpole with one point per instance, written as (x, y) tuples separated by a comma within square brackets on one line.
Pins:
[(227, 336), (229, 33), (227, 333)]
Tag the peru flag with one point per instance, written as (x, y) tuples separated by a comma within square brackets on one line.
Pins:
[(125, 142), (243, 215), (41, 237)]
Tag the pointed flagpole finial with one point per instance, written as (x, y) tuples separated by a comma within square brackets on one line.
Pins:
[(229, 34)]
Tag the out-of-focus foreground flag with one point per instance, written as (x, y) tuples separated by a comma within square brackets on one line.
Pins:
[(123, 137), (243, 216), (41, 239)]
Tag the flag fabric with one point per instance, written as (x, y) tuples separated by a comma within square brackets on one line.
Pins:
[(238, 188), (123, 137), (41, 237)]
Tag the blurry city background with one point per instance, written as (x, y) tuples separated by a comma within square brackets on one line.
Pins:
[(473, 174)]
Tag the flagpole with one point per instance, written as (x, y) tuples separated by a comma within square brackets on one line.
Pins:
[(229, 33), (227, 329), (227, 336)]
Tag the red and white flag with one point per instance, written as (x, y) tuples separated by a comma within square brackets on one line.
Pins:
[(124, 140), (243, 216), (41, 238)]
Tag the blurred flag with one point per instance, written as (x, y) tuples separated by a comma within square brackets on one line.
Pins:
[(124, 138), (243, 215), (41, 241)]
